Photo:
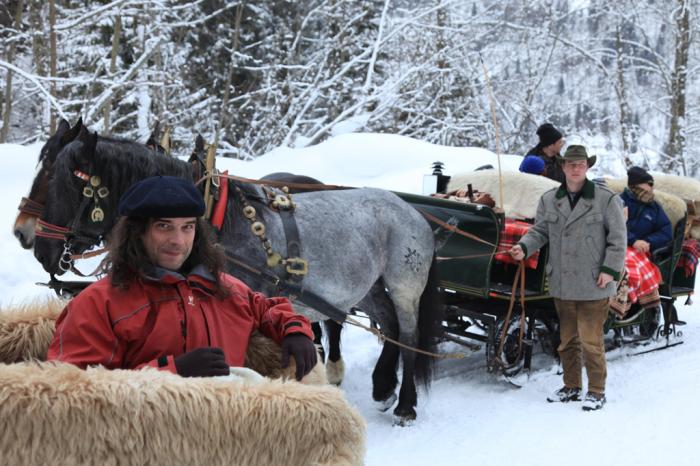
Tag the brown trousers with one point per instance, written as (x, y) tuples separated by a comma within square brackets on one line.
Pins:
[(581, 328)]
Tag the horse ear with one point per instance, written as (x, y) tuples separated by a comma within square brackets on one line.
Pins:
[(154, 136), (72, 133), (83, 134), (87, 152), (199, 143), (63, 126)]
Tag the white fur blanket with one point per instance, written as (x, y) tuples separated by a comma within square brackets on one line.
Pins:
[(53, 413), (521, 191), (59, 414)]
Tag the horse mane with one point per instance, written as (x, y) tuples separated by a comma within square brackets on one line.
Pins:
[(119, 164)]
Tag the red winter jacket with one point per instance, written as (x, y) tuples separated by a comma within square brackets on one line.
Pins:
[(156, 320)]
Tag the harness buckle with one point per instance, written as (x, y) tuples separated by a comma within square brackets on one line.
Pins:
[(296, 266)]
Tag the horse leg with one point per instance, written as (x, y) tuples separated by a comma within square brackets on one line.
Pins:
[(318, 340), (335, 367), (384, 381)]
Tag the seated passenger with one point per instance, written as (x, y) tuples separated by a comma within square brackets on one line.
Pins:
[(648, 227)]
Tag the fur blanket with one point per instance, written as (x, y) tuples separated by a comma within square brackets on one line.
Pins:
[(55, 413), (521, 191), (26, 332)]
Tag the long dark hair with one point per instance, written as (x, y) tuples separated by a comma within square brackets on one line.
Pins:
[(128, 258)]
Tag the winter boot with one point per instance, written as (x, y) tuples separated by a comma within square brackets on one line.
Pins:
[(564, 395), (593, 401)]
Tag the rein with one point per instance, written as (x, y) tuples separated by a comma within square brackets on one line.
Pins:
[(497, 361)]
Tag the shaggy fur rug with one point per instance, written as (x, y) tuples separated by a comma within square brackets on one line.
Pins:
[(521, 191), (60, 414), (54, 413)]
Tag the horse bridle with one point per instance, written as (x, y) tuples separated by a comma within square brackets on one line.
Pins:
[(92, 193)]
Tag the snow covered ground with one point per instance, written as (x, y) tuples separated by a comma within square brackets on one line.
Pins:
[(469, 416)]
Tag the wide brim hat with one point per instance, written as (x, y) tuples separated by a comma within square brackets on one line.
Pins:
[(577, 152)]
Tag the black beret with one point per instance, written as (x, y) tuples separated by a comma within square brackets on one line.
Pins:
[(638, 175), (162, 197)]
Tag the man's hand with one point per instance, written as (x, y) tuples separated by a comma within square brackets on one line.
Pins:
[(604, 279), (517, 253), (302, 348), (641, 245), (202, 362)]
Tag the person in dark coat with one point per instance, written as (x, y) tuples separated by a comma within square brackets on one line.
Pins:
[(548, 148), (648, 226)]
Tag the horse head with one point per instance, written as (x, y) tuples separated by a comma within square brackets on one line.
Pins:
[(79, 209), (30, 207), (88, 177)]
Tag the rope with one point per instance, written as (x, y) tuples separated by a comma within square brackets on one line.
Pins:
[(454, 229), (519, 275), (276, 184), (378, 333)]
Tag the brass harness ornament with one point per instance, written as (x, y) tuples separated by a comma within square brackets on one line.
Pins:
[(94, 191), (295, 266)]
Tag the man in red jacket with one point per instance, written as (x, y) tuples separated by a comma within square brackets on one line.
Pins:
[(166, 303)]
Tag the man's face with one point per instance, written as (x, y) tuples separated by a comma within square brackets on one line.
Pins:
[(575, 170), (168, 241)]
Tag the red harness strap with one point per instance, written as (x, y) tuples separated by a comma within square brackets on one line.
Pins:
[(217, 218)]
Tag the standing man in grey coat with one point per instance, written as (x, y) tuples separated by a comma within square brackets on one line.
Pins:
[(585, 227)]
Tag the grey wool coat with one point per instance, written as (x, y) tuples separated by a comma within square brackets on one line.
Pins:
[(582, 243)]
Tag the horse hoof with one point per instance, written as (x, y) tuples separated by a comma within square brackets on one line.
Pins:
[(400, 421), (335, 370), (404, 417), (386, 404)]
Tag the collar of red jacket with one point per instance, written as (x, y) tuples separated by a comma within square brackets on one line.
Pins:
[(199, 277)]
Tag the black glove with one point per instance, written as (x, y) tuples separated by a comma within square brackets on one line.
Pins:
[(302, 348), (202, 362)]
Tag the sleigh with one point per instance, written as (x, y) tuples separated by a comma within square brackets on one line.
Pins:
[(479, 286)]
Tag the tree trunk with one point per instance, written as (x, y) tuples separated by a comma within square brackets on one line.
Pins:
[(675, 146), (622, 98), (38, 48), (112, 69), (229, 73), (52, 62), (8, 80)]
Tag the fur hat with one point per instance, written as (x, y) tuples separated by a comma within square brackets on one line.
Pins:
[(638, 175), (548, 134), (577, 152), (163, 197), (532, 164)]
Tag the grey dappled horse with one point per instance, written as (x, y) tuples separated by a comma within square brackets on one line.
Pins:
[(365, 247), (335, 367)]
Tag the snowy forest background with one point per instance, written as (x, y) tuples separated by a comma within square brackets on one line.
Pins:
[(253, 75)]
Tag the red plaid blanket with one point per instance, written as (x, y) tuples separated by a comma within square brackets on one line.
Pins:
[(513, 230), (689, 256), (643, 277)]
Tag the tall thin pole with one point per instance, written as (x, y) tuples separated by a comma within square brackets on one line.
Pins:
[(496, 128)]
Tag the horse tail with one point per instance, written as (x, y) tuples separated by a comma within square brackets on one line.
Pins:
[(430, 316)]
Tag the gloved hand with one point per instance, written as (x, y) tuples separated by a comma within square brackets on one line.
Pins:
[(202, 362), (302, 348)]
